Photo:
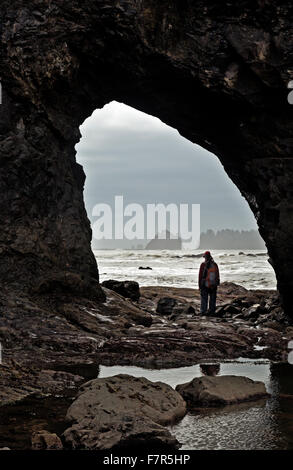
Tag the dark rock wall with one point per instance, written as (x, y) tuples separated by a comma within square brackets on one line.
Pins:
[(216, 71)]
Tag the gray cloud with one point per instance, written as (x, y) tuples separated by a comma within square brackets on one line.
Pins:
[(126, 152)]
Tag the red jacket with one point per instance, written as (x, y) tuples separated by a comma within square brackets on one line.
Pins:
[(201, 273)]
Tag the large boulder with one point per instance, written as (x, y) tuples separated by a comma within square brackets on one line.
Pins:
[(221, 390), (123, 411), (128, 289), (116, 305)]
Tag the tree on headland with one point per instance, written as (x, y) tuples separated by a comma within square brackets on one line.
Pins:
[(232, 239)]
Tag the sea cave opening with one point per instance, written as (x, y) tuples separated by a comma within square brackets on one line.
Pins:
[(129, 154)]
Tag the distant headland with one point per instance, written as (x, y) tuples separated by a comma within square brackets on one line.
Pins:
[(226, 239)]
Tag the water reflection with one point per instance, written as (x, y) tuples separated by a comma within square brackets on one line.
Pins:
[(265, 424)]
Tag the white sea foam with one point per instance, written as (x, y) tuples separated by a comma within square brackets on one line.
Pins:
[(249, 268)]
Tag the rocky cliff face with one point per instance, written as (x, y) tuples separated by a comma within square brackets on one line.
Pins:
[(216, 72)]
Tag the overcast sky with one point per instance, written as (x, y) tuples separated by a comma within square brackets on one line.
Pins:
[(126, 152)]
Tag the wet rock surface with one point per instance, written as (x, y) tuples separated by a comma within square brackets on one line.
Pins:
[(19, 382), (27, 418), (166, 305), (53, 344), (47, 340), (128, 289), (223, 390), (123, 411)]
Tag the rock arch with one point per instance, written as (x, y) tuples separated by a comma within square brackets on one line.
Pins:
[(216, 73)]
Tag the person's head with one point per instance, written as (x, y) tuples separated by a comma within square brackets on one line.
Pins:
[(207, 255)]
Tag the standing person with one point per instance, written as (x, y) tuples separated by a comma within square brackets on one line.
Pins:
[(208, 281)]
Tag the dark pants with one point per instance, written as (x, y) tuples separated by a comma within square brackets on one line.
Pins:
[(208, 295)]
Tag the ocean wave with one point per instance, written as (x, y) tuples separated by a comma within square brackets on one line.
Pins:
[(180, 269)]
